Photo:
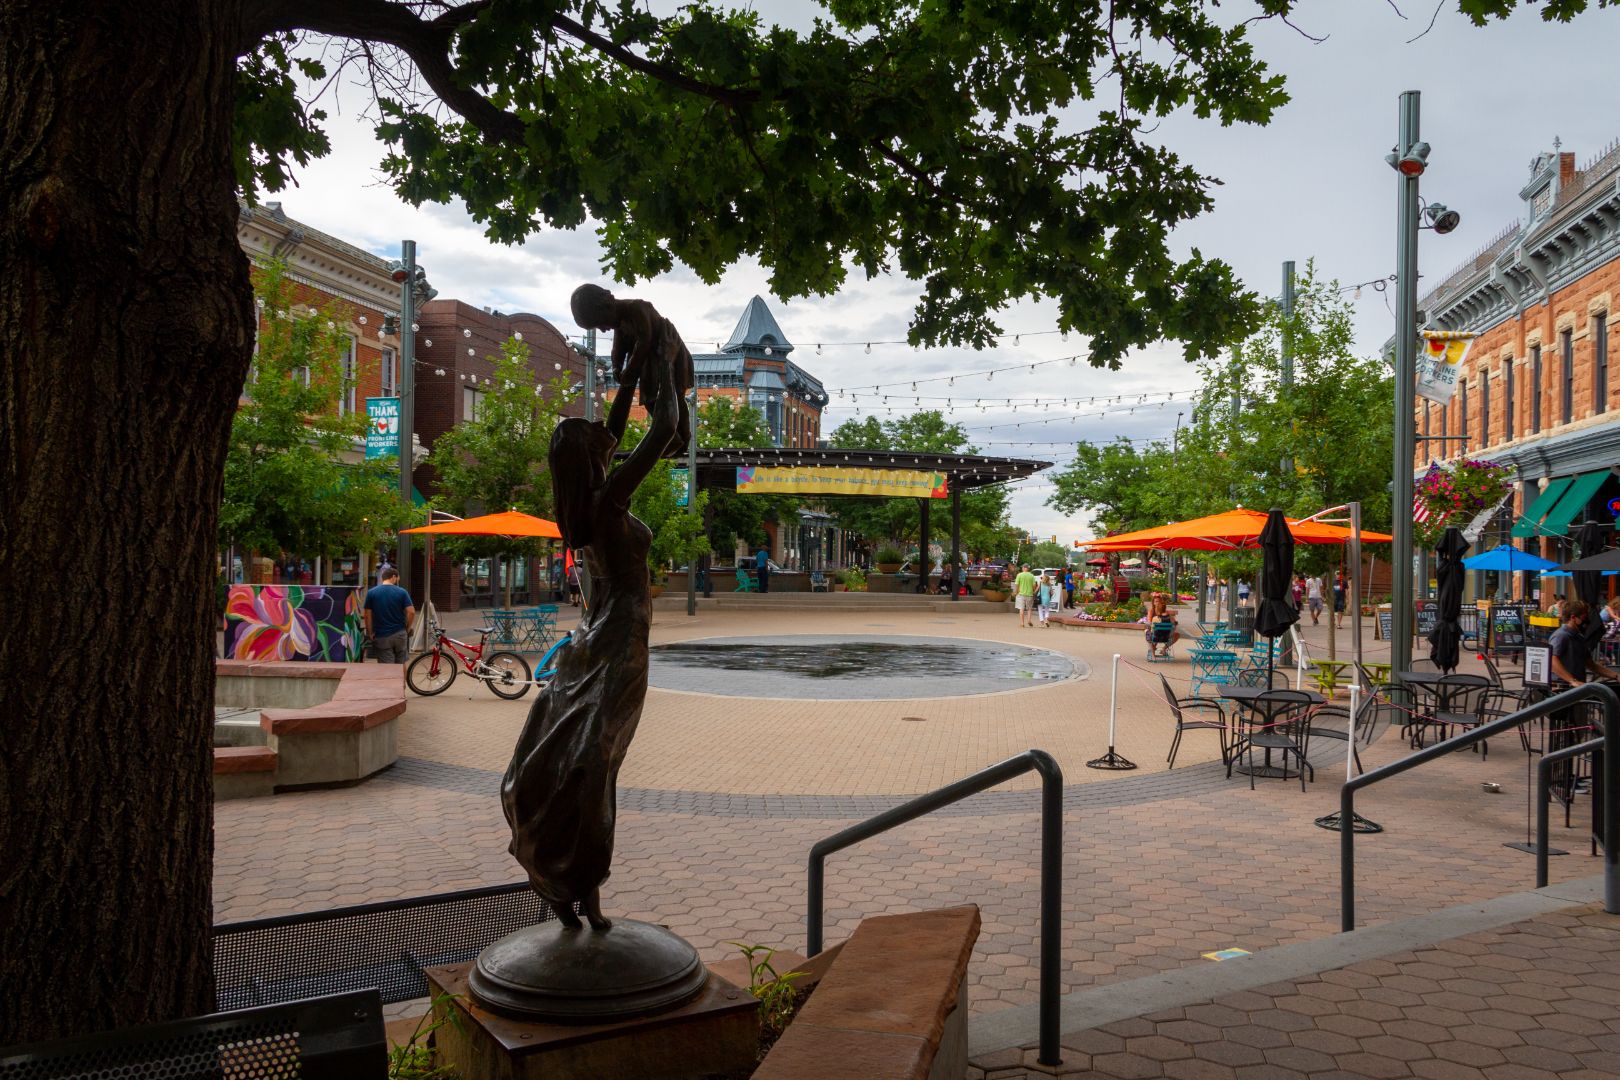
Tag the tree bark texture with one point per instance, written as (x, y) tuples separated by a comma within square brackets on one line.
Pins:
[(125, 331)]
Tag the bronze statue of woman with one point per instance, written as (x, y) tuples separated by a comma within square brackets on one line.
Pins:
[(559, 791)]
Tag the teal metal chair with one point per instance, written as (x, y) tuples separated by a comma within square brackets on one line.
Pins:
[(745, 582)]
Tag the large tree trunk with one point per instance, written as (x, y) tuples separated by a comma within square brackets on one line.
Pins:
[(125, 327)]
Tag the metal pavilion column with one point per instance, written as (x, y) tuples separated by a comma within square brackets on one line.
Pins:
[(956, 534), (922, 549)]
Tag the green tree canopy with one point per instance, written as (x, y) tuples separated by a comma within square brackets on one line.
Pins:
[(496, 459), (287, 488), (723, 423), (899, 521), (1315, 439)]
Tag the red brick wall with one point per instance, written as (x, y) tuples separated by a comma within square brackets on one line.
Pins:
[(1574, 306)]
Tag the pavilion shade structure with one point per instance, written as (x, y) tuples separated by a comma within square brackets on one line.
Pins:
[(717, 468)]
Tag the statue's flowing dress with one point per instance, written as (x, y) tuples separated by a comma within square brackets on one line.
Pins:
[(559, 791)]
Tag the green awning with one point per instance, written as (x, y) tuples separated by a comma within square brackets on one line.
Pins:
[(1548, 498), (1573, 504)]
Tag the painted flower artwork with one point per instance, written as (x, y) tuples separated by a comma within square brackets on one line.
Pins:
[(292, 622)]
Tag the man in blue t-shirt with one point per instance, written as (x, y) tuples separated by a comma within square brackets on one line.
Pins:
[(762, 565), (388, 615)]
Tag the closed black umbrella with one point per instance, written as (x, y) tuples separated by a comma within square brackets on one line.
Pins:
[(1445, 639), (1592, 538), (1276, 614)]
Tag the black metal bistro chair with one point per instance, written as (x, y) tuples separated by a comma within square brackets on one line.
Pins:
[(1279, 721), (1177, 707)]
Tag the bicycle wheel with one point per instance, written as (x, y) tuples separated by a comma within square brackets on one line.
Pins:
[(431, 673), (511, 675)]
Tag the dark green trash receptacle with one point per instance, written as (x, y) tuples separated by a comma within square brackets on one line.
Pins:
[(1243, 626)]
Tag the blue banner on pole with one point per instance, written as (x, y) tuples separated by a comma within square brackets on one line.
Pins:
[(382, 427)]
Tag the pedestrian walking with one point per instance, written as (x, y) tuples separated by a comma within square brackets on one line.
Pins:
[(1048, 596), (383, 568), (388, 616), (1243, 593), (1313, 597), (762, 567), (1024, 589), (1339, 591)]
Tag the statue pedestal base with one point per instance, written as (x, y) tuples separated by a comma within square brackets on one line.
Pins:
[(715, 1032)]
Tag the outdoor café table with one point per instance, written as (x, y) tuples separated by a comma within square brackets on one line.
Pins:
[(1257, 713), (508, 634), (537, 624), (1212, 666), (1379, 671), (1327, 674)]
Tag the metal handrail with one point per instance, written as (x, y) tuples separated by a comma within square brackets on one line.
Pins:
[(1611, 781), (1051, 866), (1543, 781)]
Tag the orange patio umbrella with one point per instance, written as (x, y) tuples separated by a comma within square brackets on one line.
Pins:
[(506, 523), (1228, 531)]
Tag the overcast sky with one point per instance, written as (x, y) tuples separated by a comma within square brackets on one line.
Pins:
[(1312, 184)]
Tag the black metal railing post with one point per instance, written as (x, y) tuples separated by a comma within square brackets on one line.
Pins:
[(1597, 692), (1051, 868), (1543, 781)]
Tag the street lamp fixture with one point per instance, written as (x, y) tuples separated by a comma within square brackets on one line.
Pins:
[(1412, 162), (1441, 218)]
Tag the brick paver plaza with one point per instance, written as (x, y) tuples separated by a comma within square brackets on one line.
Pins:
[(722, 797)]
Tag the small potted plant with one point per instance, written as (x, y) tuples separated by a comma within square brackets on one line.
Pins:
[(852, 579), (889, 559)]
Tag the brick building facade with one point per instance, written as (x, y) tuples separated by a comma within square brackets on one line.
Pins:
[(356, 288), (1536, 390), (753, 369), (456, 349)]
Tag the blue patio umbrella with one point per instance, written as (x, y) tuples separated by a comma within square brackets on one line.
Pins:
[(1508, 558)]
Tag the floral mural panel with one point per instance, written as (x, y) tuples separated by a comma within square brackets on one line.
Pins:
[(293, 622)]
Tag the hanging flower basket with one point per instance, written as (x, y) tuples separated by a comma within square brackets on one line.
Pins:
[(1453, 494)]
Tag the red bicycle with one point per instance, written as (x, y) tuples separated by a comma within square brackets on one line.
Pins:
[(505, 673)]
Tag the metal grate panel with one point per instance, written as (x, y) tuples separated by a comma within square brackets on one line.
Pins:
[(383, 945), (332, 1038)]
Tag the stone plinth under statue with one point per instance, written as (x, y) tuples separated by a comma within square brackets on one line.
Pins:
[(714, 1032)]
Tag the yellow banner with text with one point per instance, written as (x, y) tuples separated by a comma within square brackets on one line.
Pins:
[(839, 480)]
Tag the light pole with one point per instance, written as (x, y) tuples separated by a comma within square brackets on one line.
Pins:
[(413, 291), (1409, 159), (405, 275)]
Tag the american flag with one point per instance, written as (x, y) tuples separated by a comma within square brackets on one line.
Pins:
[(1420, 509)]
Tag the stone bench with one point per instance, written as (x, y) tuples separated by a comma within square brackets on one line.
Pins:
[(326, 723), (243, 772), (891, 1006)]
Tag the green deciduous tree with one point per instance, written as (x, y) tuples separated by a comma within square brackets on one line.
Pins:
[(286, 487), (899, 521), (677, 534), (723, 423), (1319, 438), (496, 459), (917, 138)]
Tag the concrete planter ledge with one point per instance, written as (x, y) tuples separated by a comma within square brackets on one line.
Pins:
[(321, 723), (1093, 624), (892, 1005)]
